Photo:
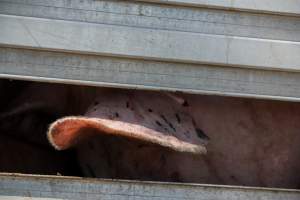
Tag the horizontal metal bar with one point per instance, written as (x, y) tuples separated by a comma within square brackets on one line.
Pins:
[(286, 7), (141, 74), (157, 16), (149, 44), (53, 187)]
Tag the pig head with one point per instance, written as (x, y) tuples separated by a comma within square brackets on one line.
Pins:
[(153, 120), (176, 137), (160, 136)]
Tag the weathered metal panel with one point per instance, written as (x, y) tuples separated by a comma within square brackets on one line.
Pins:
[(142, 74), (156, 16), (287, 7), (120, 41), (133, 73), (165, 45), (208, 47), (46, 187)]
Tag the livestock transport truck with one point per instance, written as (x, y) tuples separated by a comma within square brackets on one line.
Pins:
[(150, 99)]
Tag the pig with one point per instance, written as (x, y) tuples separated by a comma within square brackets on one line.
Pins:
[(164, 136)]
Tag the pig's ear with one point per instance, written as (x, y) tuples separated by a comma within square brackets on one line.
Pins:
[(144, 116)]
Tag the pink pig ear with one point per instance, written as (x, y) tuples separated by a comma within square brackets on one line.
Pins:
[(145, 116)]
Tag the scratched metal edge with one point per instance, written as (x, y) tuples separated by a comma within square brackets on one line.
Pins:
[(223, 6), (36, 177), (144, 87), (135, 57), (289, 9)]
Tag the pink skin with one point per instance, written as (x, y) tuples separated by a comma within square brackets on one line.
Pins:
[(252, 142), (146, 116), (255, 141)]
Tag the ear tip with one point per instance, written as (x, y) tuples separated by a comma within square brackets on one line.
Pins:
[(201, 150), (64, 132), (191, 148), (50, 137), (54, 134)]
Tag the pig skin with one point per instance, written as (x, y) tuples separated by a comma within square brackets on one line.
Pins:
[(252, 142), (146, 116)]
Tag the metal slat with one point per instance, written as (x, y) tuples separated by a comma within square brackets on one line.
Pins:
[(144, 45), (120, 41), (50, 187), (157, 16), (287, 7), (132, 73)]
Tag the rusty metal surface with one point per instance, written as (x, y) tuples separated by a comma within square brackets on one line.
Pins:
[(18, 186)]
